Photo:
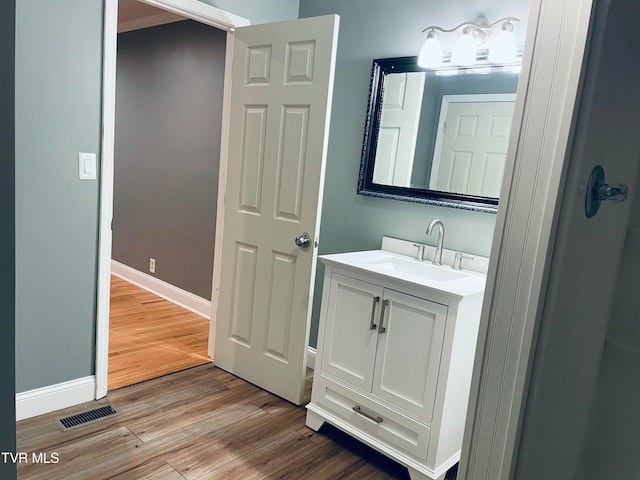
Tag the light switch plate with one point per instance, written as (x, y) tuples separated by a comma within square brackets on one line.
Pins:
[(86, 166)]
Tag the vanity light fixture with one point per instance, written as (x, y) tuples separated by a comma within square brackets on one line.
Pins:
[(502, 49)]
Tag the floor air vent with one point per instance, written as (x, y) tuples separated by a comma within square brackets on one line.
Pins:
[(86, 417)]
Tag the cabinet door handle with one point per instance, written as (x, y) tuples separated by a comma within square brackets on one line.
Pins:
[(381, 327), (372, 324), (374, 418)]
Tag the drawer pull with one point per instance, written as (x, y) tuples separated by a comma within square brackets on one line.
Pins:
[(381, 327), (372, 322), (358, 409)]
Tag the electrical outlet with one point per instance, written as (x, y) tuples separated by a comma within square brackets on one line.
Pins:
[(152, 265)]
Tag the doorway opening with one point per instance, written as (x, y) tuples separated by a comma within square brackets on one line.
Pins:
[(168, 111)]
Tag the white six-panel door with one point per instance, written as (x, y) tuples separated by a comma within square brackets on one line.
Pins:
[(398, 130), (471, 147), (282, 81)]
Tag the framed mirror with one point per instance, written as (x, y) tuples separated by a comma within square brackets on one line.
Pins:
[(437, 136)]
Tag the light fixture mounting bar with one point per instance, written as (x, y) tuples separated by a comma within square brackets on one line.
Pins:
[(476, 24)]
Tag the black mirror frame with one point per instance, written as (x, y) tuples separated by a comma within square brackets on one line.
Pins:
[(382, 67)]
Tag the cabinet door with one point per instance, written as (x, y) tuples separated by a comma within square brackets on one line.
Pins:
[(352, 315), (409, 350)]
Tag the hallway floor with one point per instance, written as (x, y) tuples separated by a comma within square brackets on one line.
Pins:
[(150, 336)]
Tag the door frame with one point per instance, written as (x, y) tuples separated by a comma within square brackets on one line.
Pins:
[(444, 110), (190, 9), (532, 190)]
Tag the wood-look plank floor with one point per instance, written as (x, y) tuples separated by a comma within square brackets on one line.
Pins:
[(150, 337), (198, 424)]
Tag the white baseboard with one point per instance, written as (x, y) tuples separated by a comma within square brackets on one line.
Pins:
[(55, 397), (311, 358), (176, 295)]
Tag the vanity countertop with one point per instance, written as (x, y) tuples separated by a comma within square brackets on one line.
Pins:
[(407, 270)]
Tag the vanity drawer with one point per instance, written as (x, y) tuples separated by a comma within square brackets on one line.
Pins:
[(372, 418)]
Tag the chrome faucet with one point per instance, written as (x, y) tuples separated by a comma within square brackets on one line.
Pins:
[(437, 257)]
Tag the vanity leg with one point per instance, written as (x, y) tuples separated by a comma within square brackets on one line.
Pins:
[(314, 421), (416, 475)]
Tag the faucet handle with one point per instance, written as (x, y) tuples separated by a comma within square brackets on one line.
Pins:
[(457, 260), (420, 252)]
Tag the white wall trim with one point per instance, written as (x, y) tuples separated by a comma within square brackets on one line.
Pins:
[(106, 193), (519, 266), (311, 358), (158, 287), (222, 188), (55, 397), (201, 12), (150, 21)]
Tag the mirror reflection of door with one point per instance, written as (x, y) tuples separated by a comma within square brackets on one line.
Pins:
[(471, 144), (398, 128)]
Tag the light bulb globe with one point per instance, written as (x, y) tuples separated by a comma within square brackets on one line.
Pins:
[(464, 52), (503, 50), (431, 52)]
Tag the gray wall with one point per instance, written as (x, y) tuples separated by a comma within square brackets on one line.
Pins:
[(167, 151), (259, 11), (58, 95), (377, 29), (7, 236)]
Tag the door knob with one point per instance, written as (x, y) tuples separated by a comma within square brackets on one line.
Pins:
[(303, 241), (598, 191)]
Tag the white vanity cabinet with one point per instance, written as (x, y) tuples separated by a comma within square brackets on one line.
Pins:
[(393, 365), (390, 345)]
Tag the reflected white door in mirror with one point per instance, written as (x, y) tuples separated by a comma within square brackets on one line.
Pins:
[(471, 144), (395, 353)]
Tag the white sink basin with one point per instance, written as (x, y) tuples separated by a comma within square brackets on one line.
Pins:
[(410, 271), (421, 269)]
